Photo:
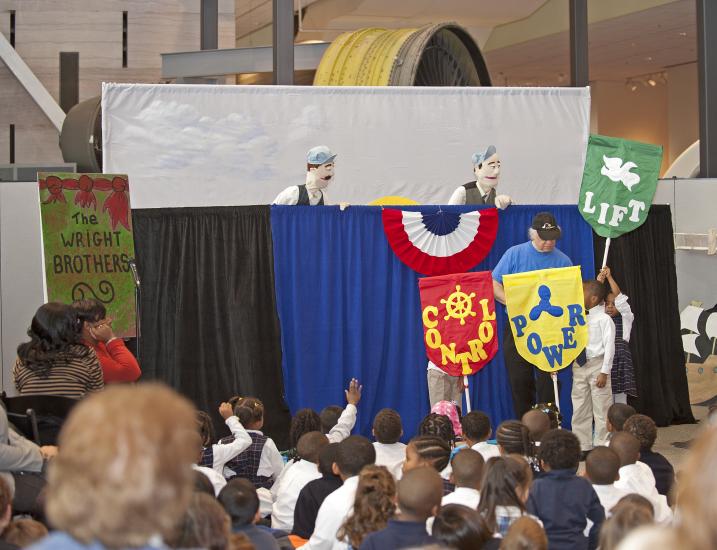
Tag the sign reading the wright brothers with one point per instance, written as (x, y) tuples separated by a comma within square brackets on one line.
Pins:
[(88, 242)]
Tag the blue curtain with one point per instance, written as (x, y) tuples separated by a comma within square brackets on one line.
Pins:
[(348, 307)]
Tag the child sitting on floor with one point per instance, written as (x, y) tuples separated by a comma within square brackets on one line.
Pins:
[(429, 450), (215, 456), (645, 430), (564, 502), (602, 468), (622, 376), (591, 393), (617, 414), (390, 452), (261, 463), (476, 432)]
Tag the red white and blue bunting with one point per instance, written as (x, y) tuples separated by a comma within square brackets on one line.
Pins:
[(443, 242)]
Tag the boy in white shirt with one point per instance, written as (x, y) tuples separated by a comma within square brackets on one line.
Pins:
[(476, 431), (216, 455), (602, 468), (591, 393), (636, 477), (285, 491), (353, 454), (466, 475), (390, 452)]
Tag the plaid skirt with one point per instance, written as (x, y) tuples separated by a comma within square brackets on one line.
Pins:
[(622, 375)]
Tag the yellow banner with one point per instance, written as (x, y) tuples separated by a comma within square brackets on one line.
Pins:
[(546, 313)]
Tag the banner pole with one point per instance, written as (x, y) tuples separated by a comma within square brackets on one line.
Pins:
[(607, 249), (554, 376), (468, 397)]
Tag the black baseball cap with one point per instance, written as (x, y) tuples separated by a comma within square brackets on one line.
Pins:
[(546, 226)]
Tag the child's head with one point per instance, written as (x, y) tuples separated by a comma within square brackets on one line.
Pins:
[(643, 428), (506, 483), (537, 422), (467, 466), (310, 446), (240, 501), (205, 525), (304, 421), (329, 417), (250, 412), (353, 454), (24, 532), (387, 426), (559, 450), (419, 493), (513, 437), (457, 526), (602, 466), (205, 425), (438, 425), (374, 505), (427, 450), (626, 517), (202, 484), (626, 446), (452, 411), (594, 293), (635, 500), (617, 414), (610, 308), (476, 426), (525, 534), (327, 457)]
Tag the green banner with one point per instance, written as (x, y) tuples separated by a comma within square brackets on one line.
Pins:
[(619, 183), (88, 242)]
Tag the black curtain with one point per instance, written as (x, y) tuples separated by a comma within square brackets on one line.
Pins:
[(643, 264), (209, 322)]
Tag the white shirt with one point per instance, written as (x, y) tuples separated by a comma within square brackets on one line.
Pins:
[(638, 478), (270, 464), (601, 337), (627, 315), (391, 455), (224, 452), (290, 196), (486, 450), (463, 495), (217, 479), (286, 492), (332, 514), (344, 425), (609, 495)]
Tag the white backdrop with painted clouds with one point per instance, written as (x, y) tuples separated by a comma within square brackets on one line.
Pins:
[(200, 145)]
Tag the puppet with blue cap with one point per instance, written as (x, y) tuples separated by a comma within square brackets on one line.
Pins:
[(319, 173), (486, 167)]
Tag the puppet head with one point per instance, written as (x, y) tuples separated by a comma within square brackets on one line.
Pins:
[(319, 167), (486, 166)]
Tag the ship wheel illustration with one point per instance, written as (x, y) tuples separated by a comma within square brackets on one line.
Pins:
[(459, 305)]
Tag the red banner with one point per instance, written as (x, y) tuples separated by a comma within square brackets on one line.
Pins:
[(459, 323)]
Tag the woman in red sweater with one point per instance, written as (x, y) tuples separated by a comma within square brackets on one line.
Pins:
[(117, 362)]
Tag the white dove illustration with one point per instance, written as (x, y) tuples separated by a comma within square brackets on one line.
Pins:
[(617, 171)]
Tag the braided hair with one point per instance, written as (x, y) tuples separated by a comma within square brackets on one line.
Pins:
[(304, 421), (249, 411), (432, 449), (438, 425), (514, 437)]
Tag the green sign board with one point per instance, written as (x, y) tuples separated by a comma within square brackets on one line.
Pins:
[(619, 183), (88, 243)]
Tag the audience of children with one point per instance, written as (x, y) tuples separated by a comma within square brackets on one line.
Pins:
[(622, 375), (419, 497), (374, 505), (645, 430), (388, 430), (565, 503), (602, 468), (314, 492), (477, 430), (591, 393)]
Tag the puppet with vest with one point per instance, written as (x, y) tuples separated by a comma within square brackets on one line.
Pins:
[(486, 167), (319, 173)]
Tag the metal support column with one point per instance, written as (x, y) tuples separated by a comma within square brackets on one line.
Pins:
[(283, 41), (579, 74), (707, 83), (209, 25)]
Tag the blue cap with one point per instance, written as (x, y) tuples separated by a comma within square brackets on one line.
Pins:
[(480, 156), (319, 155)]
